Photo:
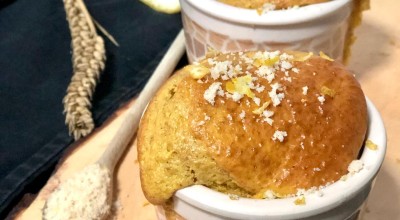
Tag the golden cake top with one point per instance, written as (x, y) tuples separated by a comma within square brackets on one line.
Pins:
[(251, 123)]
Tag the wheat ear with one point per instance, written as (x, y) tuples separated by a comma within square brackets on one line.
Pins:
[(88, 58)]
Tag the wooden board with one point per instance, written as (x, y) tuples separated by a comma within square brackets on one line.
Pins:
[(376, 62)]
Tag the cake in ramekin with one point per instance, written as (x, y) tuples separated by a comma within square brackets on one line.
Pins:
[(253, 126)]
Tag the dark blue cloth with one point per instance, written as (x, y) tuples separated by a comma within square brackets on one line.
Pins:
[(35, 69)]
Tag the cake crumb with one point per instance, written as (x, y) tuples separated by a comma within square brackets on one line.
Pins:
[(269, 194), (233, 197), (371, 145), (300, 201)]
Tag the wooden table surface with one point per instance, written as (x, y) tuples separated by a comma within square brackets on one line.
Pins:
[(376, 62)]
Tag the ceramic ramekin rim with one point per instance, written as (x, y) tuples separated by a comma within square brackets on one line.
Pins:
[(334, 194), (276, 17)]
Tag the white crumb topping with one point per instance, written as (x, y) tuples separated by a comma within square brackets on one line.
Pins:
[(286, 56), (321, 111), (260, 88), (285, 173), (200, 123), (211, 92), (296, 70), (218, 68), (289, 79), (321, 99), (229, 116), (276, 97), (257, 101), (242, 115), (305, 90), (267, 72), (279, 135), (268, 7), (207, 118), (236, 96), (267, 116), (238, 68), (285, 65), (211, 61), (221, 93), (355, 166), (269, 194)]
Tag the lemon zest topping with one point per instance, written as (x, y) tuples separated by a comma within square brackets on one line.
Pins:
[(327, 91), (240, 85), (260, 110), (300, 56), (197, 71), (324, 56), (266, 62)]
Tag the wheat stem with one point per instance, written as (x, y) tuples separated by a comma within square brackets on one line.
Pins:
[(88, 58)]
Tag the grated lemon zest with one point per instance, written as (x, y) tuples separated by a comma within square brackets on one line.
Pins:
[(324, 56)]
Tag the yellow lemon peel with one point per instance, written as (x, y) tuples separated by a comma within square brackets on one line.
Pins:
[(265, 62), (197, 71), (300, 56), (327, 91), (164, 6), (371, 145), (324, 56), (260, 110), (240, 85), (300, 201)]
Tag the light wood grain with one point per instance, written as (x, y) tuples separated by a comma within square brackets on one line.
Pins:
[(376, 62)]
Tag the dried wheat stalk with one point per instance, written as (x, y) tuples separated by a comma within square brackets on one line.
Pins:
[(88, 57)]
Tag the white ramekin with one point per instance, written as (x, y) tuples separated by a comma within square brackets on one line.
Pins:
[(317, 27), (340, 200)]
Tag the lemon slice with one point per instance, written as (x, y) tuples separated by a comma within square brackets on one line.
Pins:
[(165, 6)]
